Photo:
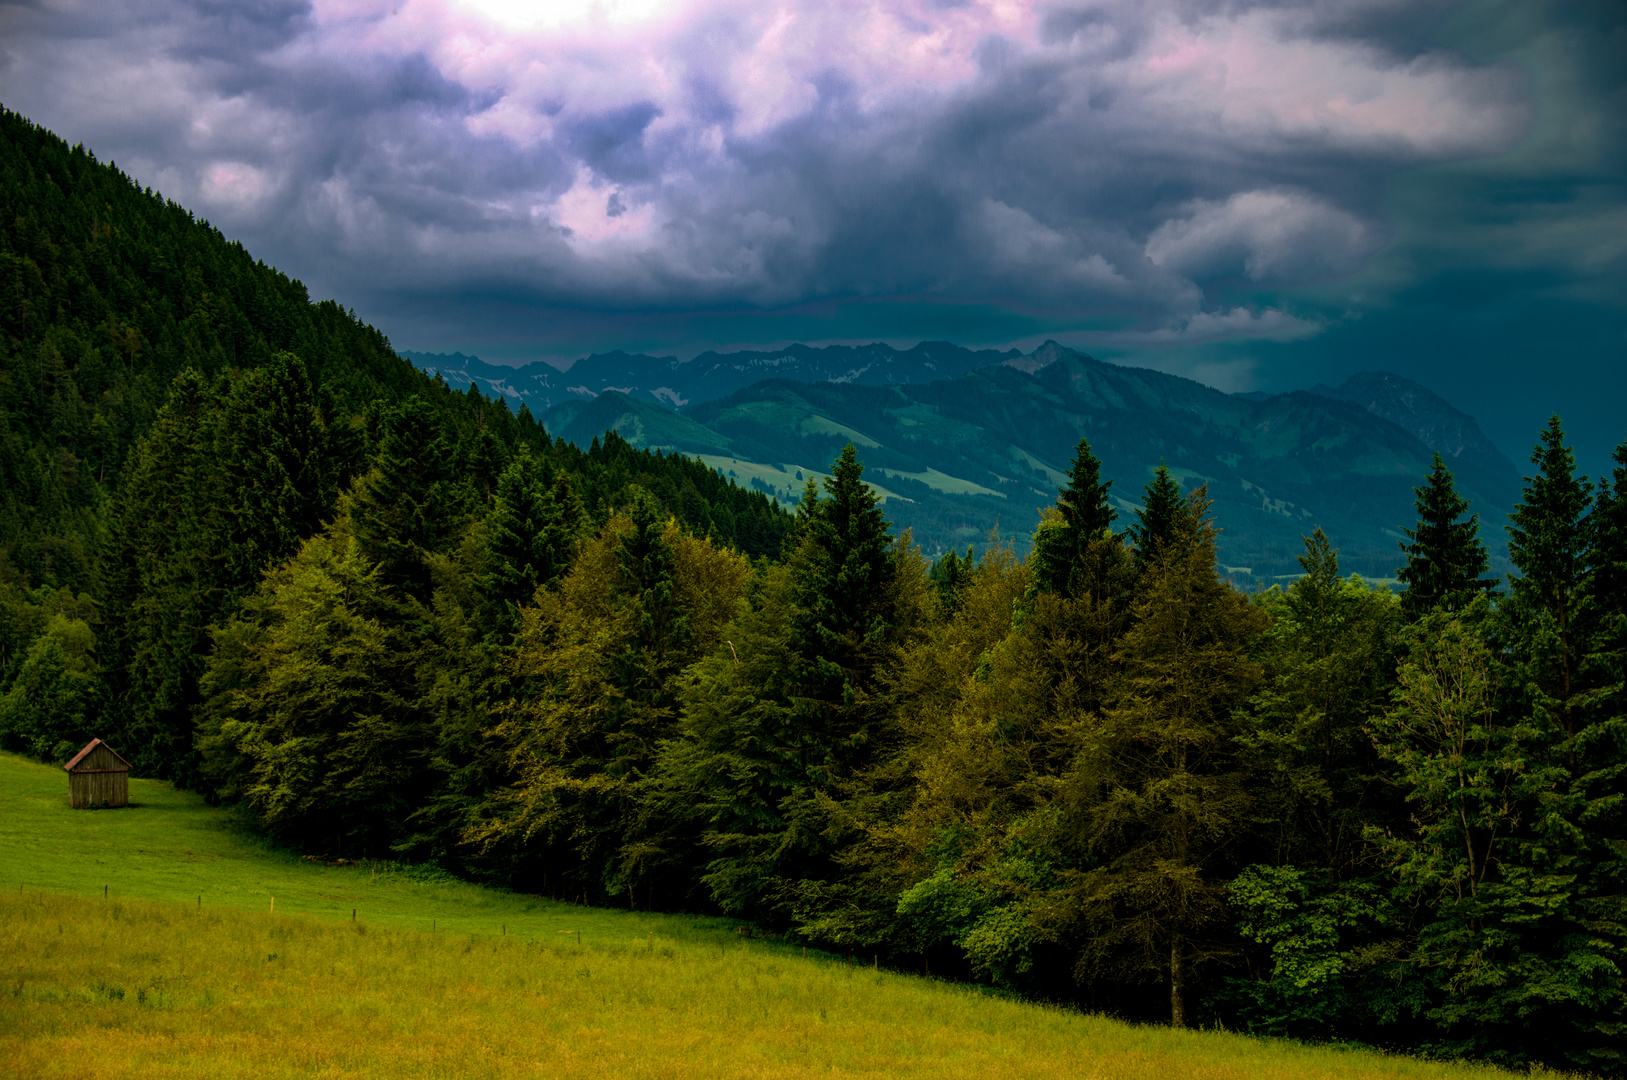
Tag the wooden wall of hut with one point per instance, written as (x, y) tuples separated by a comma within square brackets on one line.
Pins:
[(99, 787), (98, 777)]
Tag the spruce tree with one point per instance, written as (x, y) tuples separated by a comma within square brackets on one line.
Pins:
[(843, 565), (1547, 542), (1170, 793), (782, 719), (1160, 519), (952, 575), (233, 476), (1083, 514), (528, 545), (407, 507), (1605, 593), (1445, 559)]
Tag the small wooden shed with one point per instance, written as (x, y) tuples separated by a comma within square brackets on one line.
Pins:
[(98, 777)]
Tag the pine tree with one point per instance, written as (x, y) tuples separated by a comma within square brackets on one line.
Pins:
[(1515, 850), (790, 713), (1083, 514), (158, 588), (1446, 558), (233, 476), (1329, 661)]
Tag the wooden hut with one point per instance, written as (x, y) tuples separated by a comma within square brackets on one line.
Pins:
[(98, 777)]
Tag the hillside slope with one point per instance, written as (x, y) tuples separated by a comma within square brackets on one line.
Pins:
[(186, 969)]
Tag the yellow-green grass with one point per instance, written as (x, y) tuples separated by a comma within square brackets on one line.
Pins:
[(146, 983), (125, 988)]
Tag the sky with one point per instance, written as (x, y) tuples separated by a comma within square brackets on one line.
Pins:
[(1258, 195)]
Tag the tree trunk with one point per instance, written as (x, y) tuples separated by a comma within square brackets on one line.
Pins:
[(1177, 983)]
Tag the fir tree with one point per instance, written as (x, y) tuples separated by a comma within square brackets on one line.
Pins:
[(1445, 559)]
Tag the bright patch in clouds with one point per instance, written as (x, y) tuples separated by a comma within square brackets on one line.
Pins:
[(551, 14), (596, 215)]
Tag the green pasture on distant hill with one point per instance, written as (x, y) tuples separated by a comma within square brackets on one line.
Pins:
[(146, 983)]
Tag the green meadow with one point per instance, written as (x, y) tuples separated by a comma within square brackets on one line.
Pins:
[(186, 969)]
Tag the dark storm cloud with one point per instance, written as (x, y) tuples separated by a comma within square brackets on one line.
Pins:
[(1148, 176)]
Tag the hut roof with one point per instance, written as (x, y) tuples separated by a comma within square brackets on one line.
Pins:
[(89, 747)]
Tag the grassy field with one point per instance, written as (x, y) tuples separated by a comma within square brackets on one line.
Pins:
[(437, 978)]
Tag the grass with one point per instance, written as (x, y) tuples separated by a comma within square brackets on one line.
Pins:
[(147, 983), (170, 845)]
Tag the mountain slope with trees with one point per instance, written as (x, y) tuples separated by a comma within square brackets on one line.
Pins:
[(177, 418)]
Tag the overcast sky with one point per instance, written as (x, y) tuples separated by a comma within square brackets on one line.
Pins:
[(1259, 195)]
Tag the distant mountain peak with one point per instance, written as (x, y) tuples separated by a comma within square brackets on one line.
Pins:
[(1422, 412), (1042, 357)]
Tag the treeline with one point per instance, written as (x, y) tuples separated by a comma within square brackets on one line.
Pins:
[(1100, 775), (177, 418)]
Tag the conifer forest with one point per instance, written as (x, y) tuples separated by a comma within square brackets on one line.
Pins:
[(259, 553)]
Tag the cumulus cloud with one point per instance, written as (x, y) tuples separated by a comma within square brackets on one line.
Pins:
[(1278, 236), (610, 155)]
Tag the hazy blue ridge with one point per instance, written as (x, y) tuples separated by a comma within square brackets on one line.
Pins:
[(958, 457), (711, 375), (1427, 415)]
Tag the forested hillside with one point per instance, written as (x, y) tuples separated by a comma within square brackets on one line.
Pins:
[(176, 418), (255, 551)]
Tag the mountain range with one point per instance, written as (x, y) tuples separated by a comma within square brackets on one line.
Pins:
[(668, 381), (960, 443)]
